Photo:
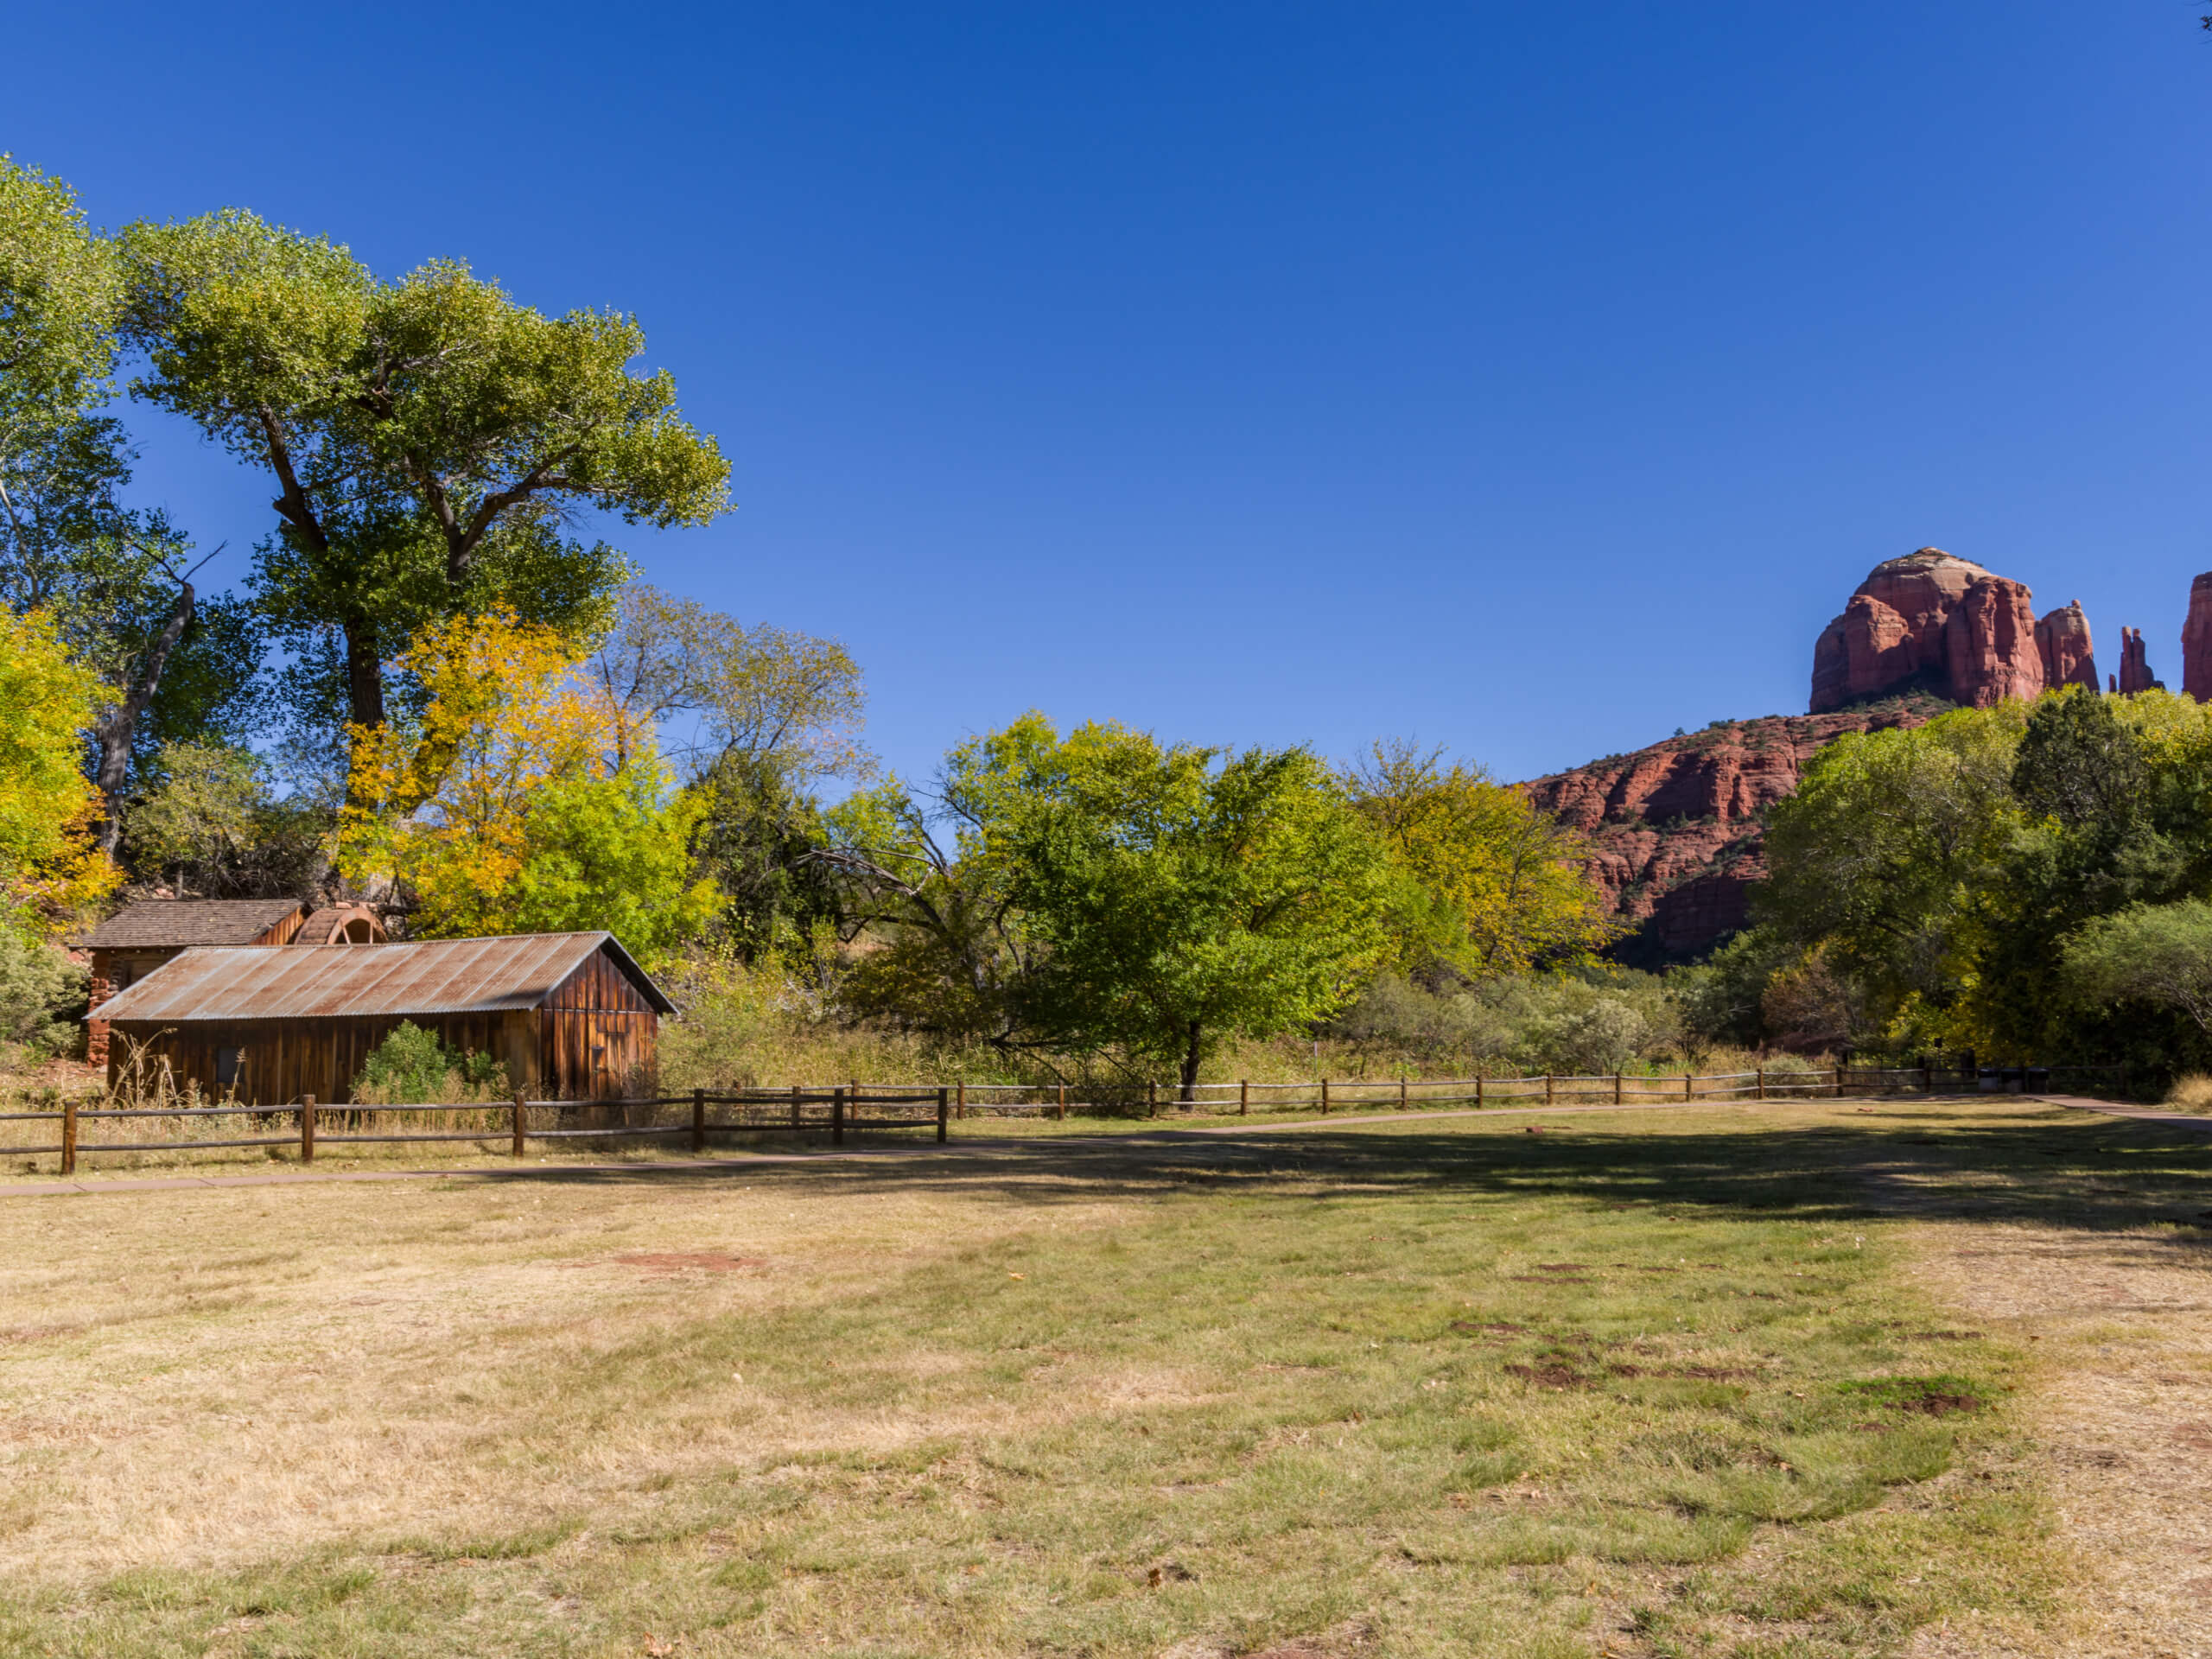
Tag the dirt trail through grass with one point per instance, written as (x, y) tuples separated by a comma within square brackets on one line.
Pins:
[(2086, 1242)]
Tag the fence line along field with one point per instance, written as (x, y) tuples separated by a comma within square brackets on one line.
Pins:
[(179, 1123), (1671, 1382)]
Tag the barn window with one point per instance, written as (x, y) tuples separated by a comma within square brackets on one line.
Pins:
[(229, 1062), (124, 973)]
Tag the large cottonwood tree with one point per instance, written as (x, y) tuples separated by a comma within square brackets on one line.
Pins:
[(430, 440)]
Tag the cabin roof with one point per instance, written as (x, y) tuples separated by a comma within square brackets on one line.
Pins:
[(340, 980), (165, 924)]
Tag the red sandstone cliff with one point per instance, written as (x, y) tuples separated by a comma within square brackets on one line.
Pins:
[(1930, 622), (1676, 830)]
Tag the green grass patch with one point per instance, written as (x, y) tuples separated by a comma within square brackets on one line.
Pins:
[(1419, 1393)]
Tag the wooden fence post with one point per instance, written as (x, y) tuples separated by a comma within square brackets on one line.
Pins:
[(518, 1124), (943, 1111), (1927, 1077), (1401, 1094), (798, 1121), (306, 1129), (1151, 1100), (698, 1120), (1547, 1088), (963, 1097), (1325, 1096), (1839, 1084), (1759, 1088), (1064, 1103), (1479, 1089), (68, 1137), (1243, 1097), (837, 1117), (1617, 1088), (1689, 1086)]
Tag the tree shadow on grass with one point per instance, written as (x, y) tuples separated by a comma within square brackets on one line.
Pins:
[(1926, 1161)]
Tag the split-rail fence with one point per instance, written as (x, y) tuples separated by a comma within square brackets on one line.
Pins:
[(836, 1111)]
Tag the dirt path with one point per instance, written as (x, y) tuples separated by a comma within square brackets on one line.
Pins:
[(2119, 1322)]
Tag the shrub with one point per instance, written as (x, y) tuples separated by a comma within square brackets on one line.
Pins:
[(38, 983), (412, 1064), (1604, 1035), (2192, 1093)]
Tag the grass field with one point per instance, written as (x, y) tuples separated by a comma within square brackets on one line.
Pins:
[(1651, 1383)]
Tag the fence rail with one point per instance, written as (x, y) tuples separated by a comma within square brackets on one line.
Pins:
[(838, 1110)]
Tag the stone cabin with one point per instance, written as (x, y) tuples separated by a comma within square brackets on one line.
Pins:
[(141, 936)]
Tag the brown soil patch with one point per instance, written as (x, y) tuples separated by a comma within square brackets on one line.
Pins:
[(1552, 1375), (700, 1261), (1940, 1405)]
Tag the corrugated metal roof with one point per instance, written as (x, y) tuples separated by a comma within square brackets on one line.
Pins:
[(327, 981), (153, 923)]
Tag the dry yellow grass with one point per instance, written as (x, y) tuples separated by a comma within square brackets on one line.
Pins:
[(1203, 1398)]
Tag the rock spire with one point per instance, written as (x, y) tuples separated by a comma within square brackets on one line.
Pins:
[(2135, 665), (2196, 641)]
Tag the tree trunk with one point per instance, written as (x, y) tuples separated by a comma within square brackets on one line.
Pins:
[(117, 729), (363, 673), (1191, 1065)]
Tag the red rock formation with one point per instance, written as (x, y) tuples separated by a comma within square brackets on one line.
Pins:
[(2196, 641), (2063, 641), (1929, 622), (1676, 831), (2135, 666)]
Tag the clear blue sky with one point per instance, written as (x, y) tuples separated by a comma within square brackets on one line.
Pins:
[(1529, 379)]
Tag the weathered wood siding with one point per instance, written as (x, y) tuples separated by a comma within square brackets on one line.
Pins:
[(281, 1061), (282, 933), (598, 1037), (595, 1038)]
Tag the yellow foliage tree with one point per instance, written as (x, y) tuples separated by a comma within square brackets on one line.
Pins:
[(49, 862), (1498, 886), (502, 806)]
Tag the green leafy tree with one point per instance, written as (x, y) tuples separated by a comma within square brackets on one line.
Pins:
[(426, 437), (950, 954), (756, 717), (113, 581), (59, 295), (1886, 855), (2156, 955), (1723, 998), (2109, 788), (210, 824), (1182, 894), (612, 852), (1494, 885)]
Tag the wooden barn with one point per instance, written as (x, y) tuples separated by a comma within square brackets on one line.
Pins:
[(571, 1014), (141, 936)]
